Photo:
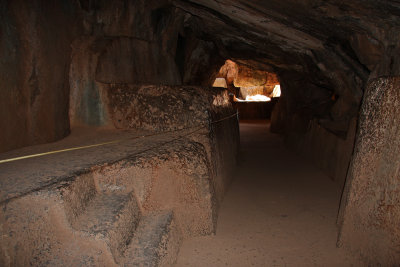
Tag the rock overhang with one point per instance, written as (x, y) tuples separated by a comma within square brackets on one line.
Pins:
[(313, 46)]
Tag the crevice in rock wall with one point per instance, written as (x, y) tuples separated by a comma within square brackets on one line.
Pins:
[(180, 54)]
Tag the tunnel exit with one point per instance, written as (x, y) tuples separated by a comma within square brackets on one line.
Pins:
[(253, 92)]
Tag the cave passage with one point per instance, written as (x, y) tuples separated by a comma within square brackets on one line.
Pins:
[(279, 211), (120, 137)]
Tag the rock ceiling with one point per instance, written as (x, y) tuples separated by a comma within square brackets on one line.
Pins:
[(324, 51), (285, 34)]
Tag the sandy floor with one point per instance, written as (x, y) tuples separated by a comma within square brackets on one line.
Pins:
[(279, 211)]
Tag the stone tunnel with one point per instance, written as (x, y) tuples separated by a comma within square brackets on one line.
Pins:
[(199, 133)]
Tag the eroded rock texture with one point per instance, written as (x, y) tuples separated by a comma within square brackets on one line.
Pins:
[(131, 201), (155, 107), (371, 201), (205, 112)]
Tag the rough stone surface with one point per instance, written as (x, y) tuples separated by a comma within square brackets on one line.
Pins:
[(229, 71), (201, 61), (157, 247), (43, 236), (334, 44), (171, 108), (128, 60), (96, 202), (175, 171), (36, 232), (278, 117), (160, 108), (370, 207), (177, 177), (317, 123), (112, 216), (34, 61), (88, 98), (154, 107), (272, 36), (330, 153), (250, 81), (325, 53), (248, 77), (309, 137)]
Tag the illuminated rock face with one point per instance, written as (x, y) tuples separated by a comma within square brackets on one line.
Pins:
[(248, 77), (255, 82), (250, 81), (246, 92), (229, 71), (242, 76), (220, 82)]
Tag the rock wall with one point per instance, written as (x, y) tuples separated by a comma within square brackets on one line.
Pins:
[(124, 42), (130, 201), (325, 52), (137, 43), (56, 55), (130, 60), (201, 61), (87, 99), (158, 108), (370, 208), (113, 214), (304, 115), (243, 80), (34, 61), (357, 148), (329, 152), (205, 111)]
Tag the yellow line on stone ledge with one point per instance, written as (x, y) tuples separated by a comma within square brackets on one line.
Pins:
[(57, 151), (106, 143)]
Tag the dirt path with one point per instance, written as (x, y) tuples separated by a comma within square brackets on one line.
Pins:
[(279, 211)]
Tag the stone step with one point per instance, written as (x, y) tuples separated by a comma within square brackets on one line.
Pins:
[(111, 217), (156, 241), (74, 254)]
